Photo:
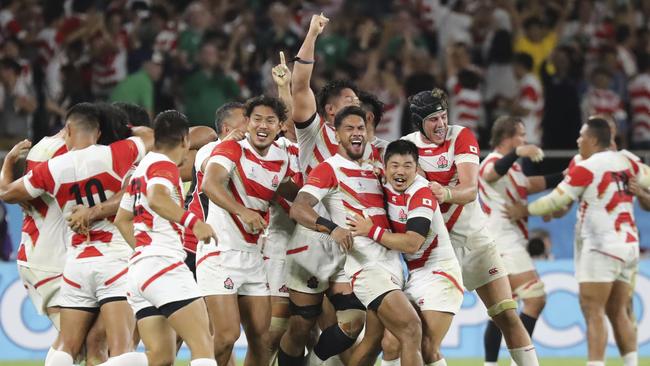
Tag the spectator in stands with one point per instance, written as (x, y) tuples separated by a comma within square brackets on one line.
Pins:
[(17, 103), (529, 104), (189, 40), (639, 91), (599, 99), (138, 88), (208, 88)]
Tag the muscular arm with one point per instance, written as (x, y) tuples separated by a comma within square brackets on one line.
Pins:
[(124, 223), (15, 192), (302, 210), (408, 242), (304, 101), (201, 135), (467, 188), (554, 201), (214, 186)]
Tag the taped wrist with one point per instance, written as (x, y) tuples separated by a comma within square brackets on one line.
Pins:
[(324, 225), (502, 165), (552, 180), (376, 232)]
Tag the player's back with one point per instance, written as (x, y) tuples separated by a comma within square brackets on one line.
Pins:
[(155, 235), (605, 216), (42, 243)]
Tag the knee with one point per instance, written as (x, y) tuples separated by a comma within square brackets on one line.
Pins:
[(299, 328), (617, 314), (227, 337), (534, 305), (390, 345), (159, 356), (351, 321), (590, 308), (95, 341)]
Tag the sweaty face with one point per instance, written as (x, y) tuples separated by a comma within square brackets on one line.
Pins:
[(401, 171), (351, 136), (263, 127), (435, 127), (346, 98)]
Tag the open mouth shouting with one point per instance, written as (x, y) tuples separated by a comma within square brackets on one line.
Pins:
[(356, 144)]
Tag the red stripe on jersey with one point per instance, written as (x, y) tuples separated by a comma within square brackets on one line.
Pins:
[(354, 278), (398, 227), (453, 218), (485, 164), (466, 116), (579, 176), (143, 216), (93, 235), (442, 177), (367, 200), (159, 274), (42, 178), (608, 255), (250, 238), (332, 147), (142, 239), (468, 103), (89, 252), (631, 238), (252, 188), (622, 218), (358, 173), (635, 93), (641, 125), (641, 109), (618, 198), (39, 205), (202, 259), (297, 250), (450, 278), (124, 153), (70, 282), (270, 165), (30, 228), (485, 207), (521, 190), (116, 277), (419, 263), (22, 255), (522, 226), (530, 93), (46, 280)]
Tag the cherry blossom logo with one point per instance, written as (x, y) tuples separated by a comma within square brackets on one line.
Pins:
[(284, 289), (312, 282), (275, 181), (228, 284), (442, 162), (402, 215)]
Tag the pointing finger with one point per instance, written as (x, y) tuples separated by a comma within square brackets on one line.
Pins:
[(282, 61)]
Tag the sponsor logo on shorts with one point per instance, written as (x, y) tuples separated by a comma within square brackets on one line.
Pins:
[(493, 271), (268, 287), (420, 302), (312, 282), (228, 284), (284, 289), (442, 162)]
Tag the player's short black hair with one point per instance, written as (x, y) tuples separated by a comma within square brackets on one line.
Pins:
[(504, 127), (113, 124), (599, 128), (401, 147), (533, 21), (84, 115), (524, 60), (345, 112), (274, 103), (469, 79), (224, 112), (170, 128), (330, 90), (136, 115), (370, 103)]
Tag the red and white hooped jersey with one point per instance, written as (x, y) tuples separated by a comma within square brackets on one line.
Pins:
[(42, 242), (86, 177), (346, 188), (197, 202), (606, 214), (419, 201), (439, 163), (639, 89), (253, 182), (510, 188), (155, 235), (531, 97)]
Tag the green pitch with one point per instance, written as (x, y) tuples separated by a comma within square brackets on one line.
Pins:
[(450, 362)]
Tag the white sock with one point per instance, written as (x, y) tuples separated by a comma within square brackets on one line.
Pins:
[(203, 362), (524, 356), (490, 364), (127, 359), (631, 359), (440, 362), (59, 358), (395, 362), (595, 363)]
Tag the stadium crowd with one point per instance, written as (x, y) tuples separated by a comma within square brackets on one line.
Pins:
[(582, 57)]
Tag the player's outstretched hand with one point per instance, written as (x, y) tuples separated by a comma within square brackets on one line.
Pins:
[(253, 220), (343, 237), (19, 150), (317, 24), (359, 225), (204, 232), (235, 135), (532, 152), (515, 211), (79, 219), (281, 73)]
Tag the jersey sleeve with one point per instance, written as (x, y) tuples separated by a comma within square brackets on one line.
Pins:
[(576, 181), (39, 180), (226, 154), (125, 153), (126, 203), (164, 173), (320, 181), (422, 204), (466, 148)]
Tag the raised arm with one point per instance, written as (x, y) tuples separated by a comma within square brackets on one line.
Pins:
[(304, 100), (282, 78)]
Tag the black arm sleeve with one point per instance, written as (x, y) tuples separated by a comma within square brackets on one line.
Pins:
[(552, 180), (502, 165), (305, 124), (419, 225)]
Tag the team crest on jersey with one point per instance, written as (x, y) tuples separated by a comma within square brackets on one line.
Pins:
[(402, 215), (284, 289), (275, 181), (312, 282), (442, 162), (228, 284)]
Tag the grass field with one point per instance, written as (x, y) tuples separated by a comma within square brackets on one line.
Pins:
[(450, 362)]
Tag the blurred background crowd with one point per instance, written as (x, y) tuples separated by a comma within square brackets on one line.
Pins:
[(552, 62)]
